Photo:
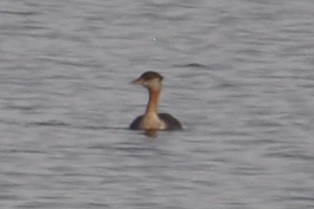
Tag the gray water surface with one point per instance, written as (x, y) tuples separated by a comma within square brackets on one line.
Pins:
[(238, 75)]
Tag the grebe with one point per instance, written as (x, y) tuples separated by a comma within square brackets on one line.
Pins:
[(152, 120)]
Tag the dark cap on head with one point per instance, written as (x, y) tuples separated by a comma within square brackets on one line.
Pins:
[(151, 75)]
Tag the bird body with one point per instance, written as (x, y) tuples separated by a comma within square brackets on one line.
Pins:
[(152, 120)]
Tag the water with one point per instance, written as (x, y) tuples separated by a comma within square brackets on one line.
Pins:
[(239, 76)]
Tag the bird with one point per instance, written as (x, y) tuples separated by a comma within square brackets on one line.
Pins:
[(151, 119)]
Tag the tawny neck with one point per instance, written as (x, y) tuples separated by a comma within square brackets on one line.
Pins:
[(152, 105)]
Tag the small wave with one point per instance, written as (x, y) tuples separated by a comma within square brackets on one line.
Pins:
[(192, 65), (91, 127), (55, 123), (22, 13)]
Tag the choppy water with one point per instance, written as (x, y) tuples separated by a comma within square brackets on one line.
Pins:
[(239, 75)]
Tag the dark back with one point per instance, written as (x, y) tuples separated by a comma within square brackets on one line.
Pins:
[(171, 122), (135, 125)]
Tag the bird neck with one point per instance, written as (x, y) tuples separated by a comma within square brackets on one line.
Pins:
[(152, 105)]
